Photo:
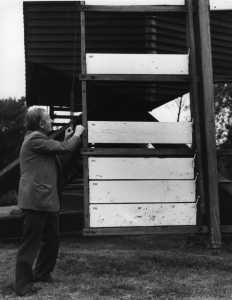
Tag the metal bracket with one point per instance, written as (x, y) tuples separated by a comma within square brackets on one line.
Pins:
[(193, 119), (196, 178), (194, 159)]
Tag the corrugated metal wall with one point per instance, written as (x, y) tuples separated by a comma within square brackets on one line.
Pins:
[(221, 38), (50, 41)]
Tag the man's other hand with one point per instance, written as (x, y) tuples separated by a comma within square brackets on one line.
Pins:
[(68, 133), (79, 130)]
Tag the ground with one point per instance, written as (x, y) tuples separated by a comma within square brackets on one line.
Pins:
[(129, 267)]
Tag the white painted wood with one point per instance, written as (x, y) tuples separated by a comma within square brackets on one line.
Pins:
[(140, 132), (120, 215), (135, 2), (220, 5), (101, 168), (175, 64), (142, 191)]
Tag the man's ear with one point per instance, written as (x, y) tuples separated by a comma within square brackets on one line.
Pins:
[(41, 125)]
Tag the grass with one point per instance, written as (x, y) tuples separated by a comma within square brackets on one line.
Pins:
[(129, 267)]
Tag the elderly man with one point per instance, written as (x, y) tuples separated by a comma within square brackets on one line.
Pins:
[(39, 198)]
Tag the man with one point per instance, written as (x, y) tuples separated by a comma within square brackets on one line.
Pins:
[(39, 198)]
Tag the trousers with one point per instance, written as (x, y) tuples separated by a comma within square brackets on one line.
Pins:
[(41, 238)]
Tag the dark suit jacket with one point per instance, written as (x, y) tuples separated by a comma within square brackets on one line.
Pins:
[(41, 171)]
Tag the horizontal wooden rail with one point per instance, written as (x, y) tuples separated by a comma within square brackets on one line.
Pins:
[(224, 152), (142, 214), (222, 78), (134, 2), (146, 152), (137, 152), (134, 8), (137, 64), (148, 230), (142, 78), (140, 168), (142, 191), (157, 78), (139, 132)]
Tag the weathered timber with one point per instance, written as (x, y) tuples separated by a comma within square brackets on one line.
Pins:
[(142, 78), (222, 79), (224, 152), (134, 9), (135, 2), (84, 123), (140, 132), (148, 230), (140, 214), (220, 5), (209, 122), (225, 228), (103, 168), (195, 112), (147, 191), (163, 64), (137, 152)]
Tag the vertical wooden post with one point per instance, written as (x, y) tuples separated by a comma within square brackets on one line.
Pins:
[(84, 122), (51, 112), (209, 121), (194, 101)]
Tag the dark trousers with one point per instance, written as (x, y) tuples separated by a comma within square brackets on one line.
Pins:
[(41, 236)]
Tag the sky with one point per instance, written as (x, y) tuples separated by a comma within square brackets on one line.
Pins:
[(12, 58)]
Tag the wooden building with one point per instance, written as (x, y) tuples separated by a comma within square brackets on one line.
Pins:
[(118, 62)]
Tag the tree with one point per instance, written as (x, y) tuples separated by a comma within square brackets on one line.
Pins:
[(223, 114), (12, 129), (223, 125), (180, 105)]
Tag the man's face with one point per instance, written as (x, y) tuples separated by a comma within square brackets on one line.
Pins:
[(46, 123)]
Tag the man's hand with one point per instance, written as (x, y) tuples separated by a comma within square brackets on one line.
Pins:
[(68, 133), (79, 130)]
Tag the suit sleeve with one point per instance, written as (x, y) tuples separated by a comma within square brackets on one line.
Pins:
[(41, 144)]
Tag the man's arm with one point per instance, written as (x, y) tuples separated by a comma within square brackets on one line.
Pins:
[(41, 144)]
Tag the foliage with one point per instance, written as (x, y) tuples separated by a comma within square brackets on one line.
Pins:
[(223, 114), (223, 125), (130, 267), (12, 129), (180, 108)]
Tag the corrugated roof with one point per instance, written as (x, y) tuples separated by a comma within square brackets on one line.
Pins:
[(50, 42)]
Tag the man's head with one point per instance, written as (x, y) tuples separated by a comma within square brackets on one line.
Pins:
[(37, 119)]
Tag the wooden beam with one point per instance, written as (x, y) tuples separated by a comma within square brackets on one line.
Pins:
[(140, 168), (84, 123), (143, 78), (147, 230), (137, 152), (139, 132), (227, 228), (209, 119), (142, 191), (224, 152), (135, 2), (220, 5), (222, 78), (134, 9), (124, 63), (142, 214), (195, 112)]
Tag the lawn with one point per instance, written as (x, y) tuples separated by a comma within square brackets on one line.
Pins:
[(129, 267)]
